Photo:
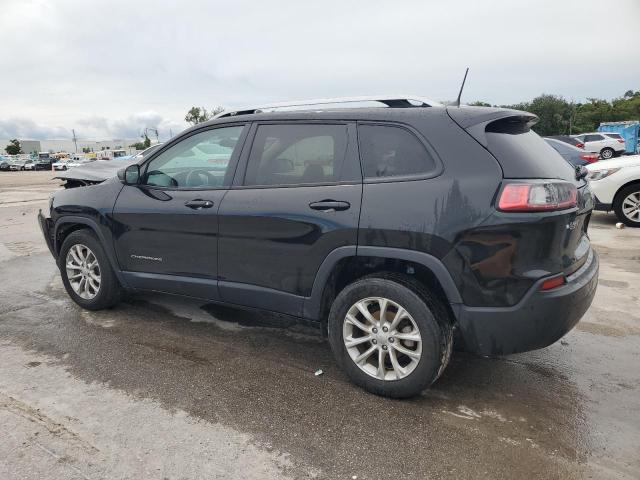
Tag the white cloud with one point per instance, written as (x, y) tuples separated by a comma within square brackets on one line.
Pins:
[(65, 62)]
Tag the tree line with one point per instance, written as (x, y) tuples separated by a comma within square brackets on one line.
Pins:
[(561, 117)]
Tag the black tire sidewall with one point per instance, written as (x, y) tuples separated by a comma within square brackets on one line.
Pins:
[(109, 291), (425, 373), (617, 205)]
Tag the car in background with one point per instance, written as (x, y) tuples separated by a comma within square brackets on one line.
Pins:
[(607, 146), (77, 162), (21, 164), (4, 163), (616, 186), (574, 155), (61, 164), (568, 139)]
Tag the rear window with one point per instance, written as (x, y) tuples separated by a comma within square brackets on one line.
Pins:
[(522, 153), (617, 136), (390, 151)]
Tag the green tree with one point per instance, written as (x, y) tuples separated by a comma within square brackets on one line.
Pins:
[(479, 103), (14, 147), (147, 142), (138, 146), (197, 115)]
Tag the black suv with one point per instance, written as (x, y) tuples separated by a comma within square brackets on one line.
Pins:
[(396, 228)]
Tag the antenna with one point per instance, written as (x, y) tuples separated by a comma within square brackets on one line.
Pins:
[(457, 102)]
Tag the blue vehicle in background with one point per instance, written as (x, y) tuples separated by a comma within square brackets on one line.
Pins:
[(629, 131)]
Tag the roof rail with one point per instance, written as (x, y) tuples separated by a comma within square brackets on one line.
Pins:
[(394, 101)]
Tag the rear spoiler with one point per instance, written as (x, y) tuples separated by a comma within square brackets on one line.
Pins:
[(478, 120)]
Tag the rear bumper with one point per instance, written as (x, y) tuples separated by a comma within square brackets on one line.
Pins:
[(46, 226), (538, 320)]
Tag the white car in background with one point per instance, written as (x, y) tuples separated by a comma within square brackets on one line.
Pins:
[(616, 186), (607, 144), (61, 164)]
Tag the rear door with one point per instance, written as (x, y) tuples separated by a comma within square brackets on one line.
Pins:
[(295, 199), (166, 228)]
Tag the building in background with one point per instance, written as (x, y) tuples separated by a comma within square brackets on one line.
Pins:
[(53, 146)]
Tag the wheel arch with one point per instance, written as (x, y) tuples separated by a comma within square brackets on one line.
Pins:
[(622, 187), (66, 225), (347, 264)]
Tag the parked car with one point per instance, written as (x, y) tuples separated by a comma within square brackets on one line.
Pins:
[(568, 139), (607, 146), (574, 155), (78, 162), (616, 186), (61, 164), (21, 164), (389, 227), (4, 163)]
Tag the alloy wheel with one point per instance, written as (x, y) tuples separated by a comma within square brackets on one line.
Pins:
[(382, 338), (83, 271), (631, 206)]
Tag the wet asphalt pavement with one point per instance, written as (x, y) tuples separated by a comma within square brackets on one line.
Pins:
[(162, 387)]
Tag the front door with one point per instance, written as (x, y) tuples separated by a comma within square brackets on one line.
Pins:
[(295, 199), (166, 228)]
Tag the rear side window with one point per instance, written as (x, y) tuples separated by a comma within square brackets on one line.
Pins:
[(617, 136), (390, 151), (297, 154), (593, 138), (522, 153)]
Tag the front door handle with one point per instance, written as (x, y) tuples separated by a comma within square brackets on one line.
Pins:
[(330, 205), (198, 203)]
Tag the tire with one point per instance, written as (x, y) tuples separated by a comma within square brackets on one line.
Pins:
[(108, 292), (607, 153), (425, 313), (627, 205)]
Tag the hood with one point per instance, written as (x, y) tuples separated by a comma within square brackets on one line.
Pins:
[(97, 171), (621, 162)]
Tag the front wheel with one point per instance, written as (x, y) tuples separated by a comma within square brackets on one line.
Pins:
[(607, 153), (86, 272), (627, 205), (391, 337)]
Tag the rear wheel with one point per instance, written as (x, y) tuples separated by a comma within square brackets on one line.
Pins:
[(627, 205), (86, 272), (607, 153), (391, 337)]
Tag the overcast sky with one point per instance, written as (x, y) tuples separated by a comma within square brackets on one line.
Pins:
[(109, 68)]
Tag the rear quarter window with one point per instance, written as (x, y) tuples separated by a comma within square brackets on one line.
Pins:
[(392, 151)]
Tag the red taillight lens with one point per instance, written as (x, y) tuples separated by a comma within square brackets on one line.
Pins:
[(534, 197), (580, 145), (589, 157), (620, 140), (553, 282)]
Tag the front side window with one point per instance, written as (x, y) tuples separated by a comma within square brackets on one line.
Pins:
[(198, 161), (390, 151), (296, 154)]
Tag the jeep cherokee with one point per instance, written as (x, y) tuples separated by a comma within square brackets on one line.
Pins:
[(397, 228)]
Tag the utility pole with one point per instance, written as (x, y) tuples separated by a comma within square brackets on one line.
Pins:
[(75, 140)]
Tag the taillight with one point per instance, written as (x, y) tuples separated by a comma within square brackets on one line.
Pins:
[(535, 197), (580, 145), (589, 157), (621, 140), (553, 282)]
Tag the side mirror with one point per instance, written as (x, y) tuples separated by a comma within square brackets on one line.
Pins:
[(130, 175)]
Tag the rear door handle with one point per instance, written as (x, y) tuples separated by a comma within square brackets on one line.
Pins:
[(330, 205), (198, 203)]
